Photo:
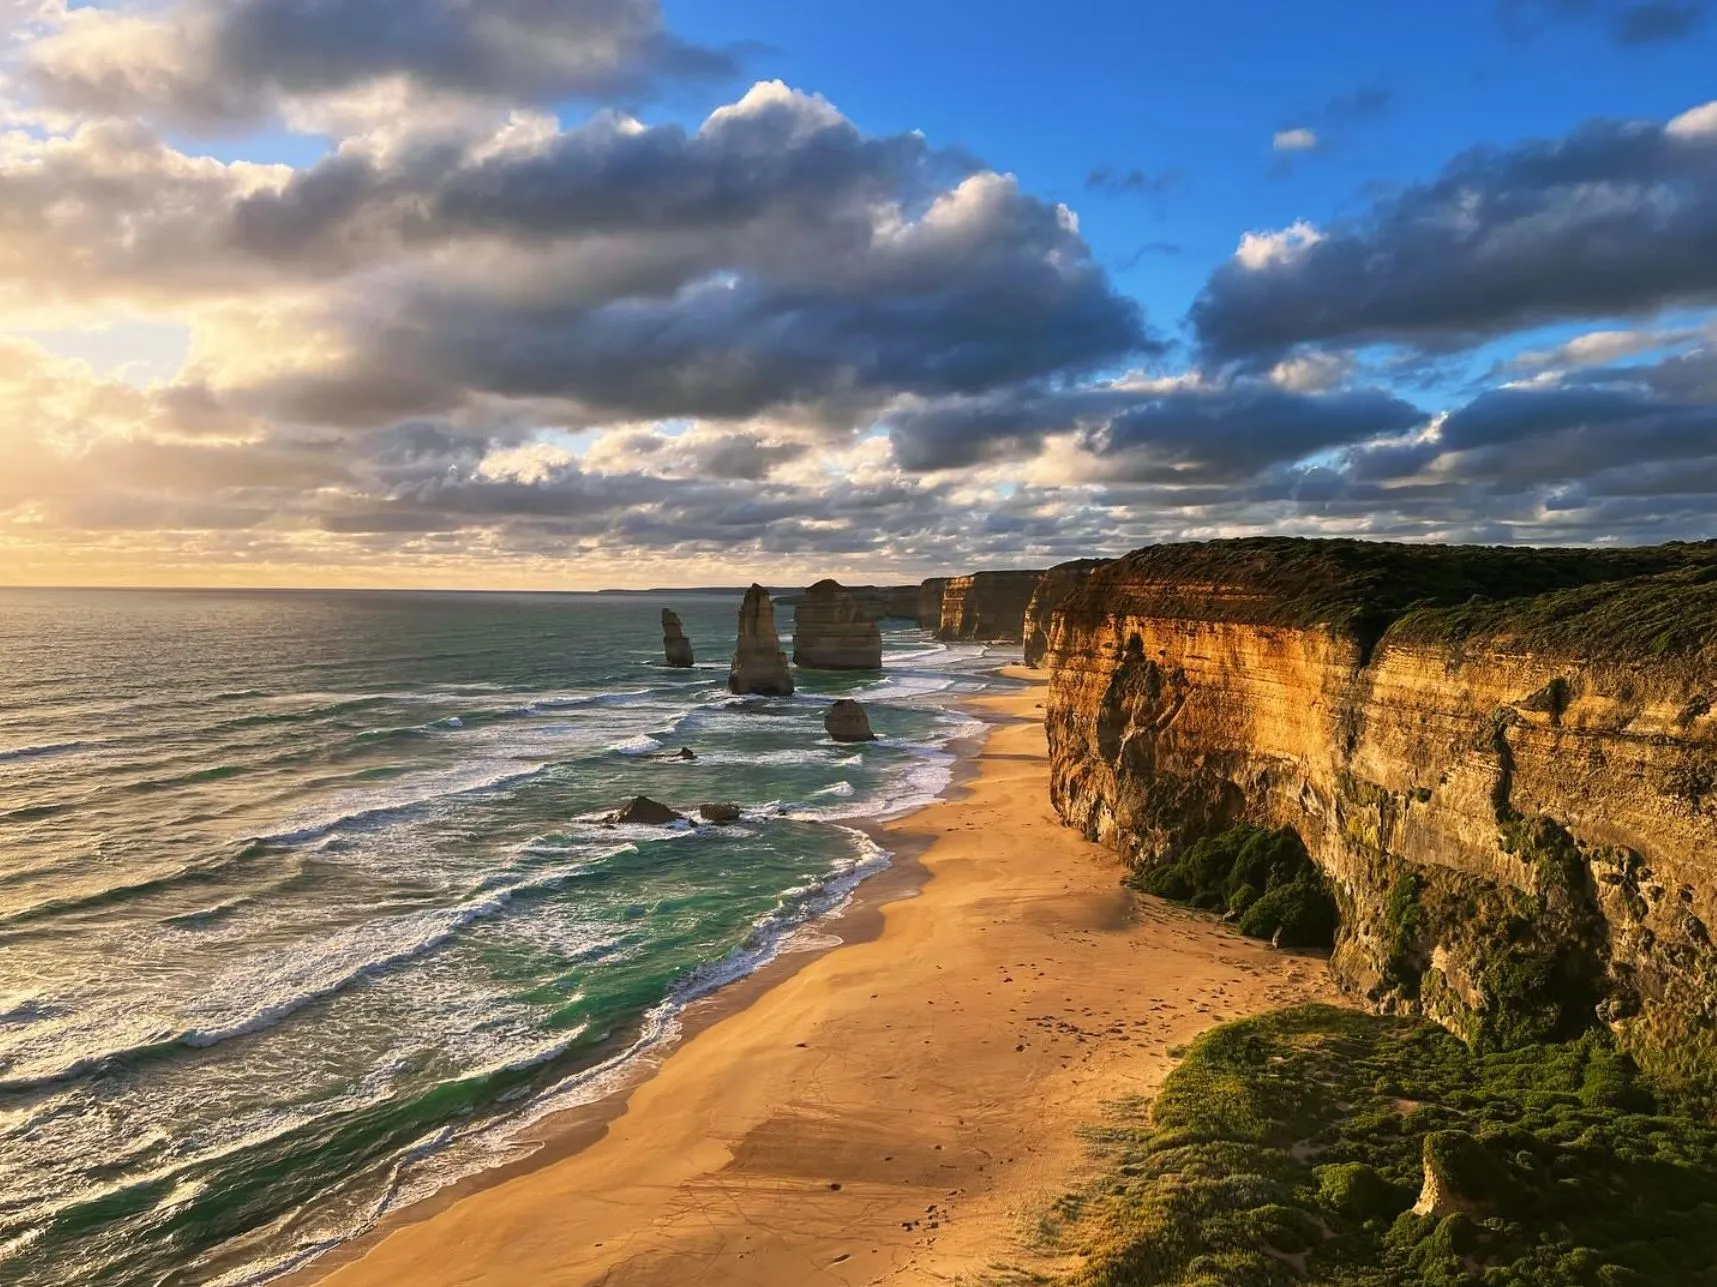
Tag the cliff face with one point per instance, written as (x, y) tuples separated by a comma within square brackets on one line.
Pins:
[(986, 606), (1505, 762), (1052, 588), (831, 631), (759, 665), (929, 609)]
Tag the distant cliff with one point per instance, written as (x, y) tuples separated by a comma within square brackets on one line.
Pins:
[(986, 606), (1504, 760), (1051, 589), (930, 602)]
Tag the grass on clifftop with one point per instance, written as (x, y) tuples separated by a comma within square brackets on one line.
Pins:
[(1289, 1148)]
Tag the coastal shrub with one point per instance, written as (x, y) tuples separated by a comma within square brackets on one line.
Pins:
[(1289, 1147), (1263, 877)]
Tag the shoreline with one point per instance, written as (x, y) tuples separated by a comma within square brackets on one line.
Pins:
[(731, 1113)]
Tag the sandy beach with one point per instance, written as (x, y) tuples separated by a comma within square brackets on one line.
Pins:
[(895, 1110)]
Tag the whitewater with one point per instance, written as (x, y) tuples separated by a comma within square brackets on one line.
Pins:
[(308, 906)]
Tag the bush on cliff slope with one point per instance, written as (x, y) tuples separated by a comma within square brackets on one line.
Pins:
[(1290, 1148), (1265, 878)]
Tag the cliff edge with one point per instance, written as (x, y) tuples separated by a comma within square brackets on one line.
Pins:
[(1504, 761), (986, 607)]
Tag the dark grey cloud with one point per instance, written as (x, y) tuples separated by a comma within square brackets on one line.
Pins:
[(1657, 21), (1192, 433), (214, 63), (1365, 103), (1123, 182), (1628, 23), (1617, 218)]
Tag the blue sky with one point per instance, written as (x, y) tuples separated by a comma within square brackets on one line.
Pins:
[(591, 291)]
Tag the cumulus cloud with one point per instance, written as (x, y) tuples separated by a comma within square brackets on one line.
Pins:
[(1616, 218), (219, 63)]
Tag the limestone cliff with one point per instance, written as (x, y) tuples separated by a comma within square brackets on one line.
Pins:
[(986, 606), (1504, 760), (1052, 587), (832, 632), (881, 602), (930, 602), (759, 665), (676, 648)]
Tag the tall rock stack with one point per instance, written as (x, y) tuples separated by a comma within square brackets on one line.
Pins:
[(831, 631), (676, 648), (759, 665)]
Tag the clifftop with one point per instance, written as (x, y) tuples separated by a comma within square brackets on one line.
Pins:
[(1356, 586)]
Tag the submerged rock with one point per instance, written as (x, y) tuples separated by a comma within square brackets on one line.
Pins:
[(676, 648), (832, 631), (847, 722), (642, 811), (719, 812), (759, 665)]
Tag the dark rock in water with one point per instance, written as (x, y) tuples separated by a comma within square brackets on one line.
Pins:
[(676, 648), (832, 632), (684, 753), (847, 722), (759, 665), (642, 811), (719, 812)]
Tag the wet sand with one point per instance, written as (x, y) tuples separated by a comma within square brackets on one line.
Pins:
[(896, 1110)]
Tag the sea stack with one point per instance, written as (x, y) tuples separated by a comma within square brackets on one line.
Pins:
[(759, 665), (831, 631), (676, 648), (847, 722)]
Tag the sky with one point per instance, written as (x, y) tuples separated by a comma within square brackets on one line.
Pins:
[(584, 293)]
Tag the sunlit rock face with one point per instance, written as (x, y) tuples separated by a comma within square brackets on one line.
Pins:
[(1052, 587), (759, 665), (986, 607), (1505, 761), (831, 631)]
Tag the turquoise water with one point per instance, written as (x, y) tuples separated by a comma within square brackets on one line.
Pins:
[(306, 904)]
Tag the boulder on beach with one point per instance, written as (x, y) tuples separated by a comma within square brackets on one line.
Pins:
[(642, 811), (832, 631), (847, 722), (759, 665), (719, 812), (676, 648)]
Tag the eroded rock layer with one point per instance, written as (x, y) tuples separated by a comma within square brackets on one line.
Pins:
[(986, 606), (1052, 587), (1504, 760), (759, 665), (831, 631)]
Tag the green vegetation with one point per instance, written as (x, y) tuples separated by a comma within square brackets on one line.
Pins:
[(1290, 1148), (1668, 615), (1264, 878), (1363, 586)]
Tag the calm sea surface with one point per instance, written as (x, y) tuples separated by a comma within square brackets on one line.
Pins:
[(306, 906)]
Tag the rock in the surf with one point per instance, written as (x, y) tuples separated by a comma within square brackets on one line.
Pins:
[(847, 722), (831, 631), (719, 812), (642, 811), (676, 648), (684, 753), (759, 665)]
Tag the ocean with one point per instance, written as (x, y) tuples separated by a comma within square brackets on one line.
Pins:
[(307, 907)]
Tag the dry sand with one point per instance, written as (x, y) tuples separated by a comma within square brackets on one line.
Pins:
[(896, 1110)]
